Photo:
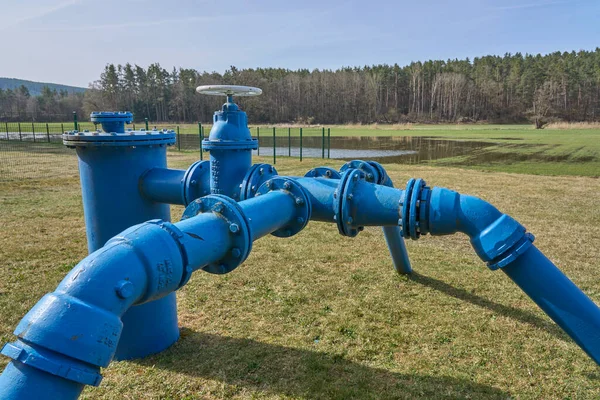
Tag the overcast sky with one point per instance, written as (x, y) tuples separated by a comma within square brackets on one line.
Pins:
[(70, 41)]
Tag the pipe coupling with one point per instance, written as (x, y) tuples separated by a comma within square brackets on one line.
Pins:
[(344, 208), (323, 172), (239, 229), (254, 178), (303, 208), (196, 181)]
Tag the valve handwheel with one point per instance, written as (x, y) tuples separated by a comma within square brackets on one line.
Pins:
[(229, 90)]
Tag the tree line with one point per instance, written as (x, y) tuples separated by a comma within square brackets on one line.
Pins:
[(509, 88), (49, 106)]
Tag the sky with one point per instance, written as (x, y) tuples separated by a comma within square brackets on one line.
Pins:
[(70, 41)]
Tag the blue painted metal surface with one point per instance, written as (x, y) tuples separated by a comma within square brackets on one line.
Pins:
[(374, 172), (230, 145), (119, 301), (110, 165)]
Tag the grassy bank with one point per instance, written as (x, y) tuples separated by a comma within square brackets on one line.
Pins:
[(561, 149), (324, 316), (516, 148)]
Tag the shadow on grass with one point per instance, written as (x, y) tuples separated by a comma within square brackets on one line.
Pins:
[(507, 311), (310, 374)]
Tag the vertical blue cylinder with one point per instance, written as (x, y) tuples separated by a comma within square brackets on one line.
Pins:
[(560, 298), (110, 167)]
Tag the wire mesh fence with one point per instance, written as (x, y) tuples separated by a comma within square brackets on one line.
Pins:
[(27, 159)]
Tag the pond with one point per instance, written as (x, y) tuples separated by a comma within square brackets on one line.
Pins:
[(388, 149)]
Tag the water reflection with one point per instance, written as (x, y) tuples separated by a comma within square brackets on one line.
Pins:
[(389, 149)]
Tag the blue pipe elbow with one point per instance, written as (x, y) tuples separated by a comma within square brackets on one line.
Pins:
[(496, 237)]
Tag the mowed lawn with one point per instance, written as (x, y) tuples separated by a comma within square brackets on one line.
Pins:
[(324, 316)]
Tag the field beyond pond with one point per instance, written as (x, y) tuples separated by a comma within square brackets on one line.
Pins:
[(321, 316), (565, 149)]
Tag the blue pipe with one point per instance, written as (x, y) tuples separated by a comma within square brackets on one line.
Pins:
[(504, 244), (70, 333), (175, 186), (119, 301), (163, 185), (560, 298), (497, 238), (375, 173)]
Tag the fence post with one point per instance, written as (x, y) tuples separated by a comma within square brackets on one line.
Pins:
[(75, 120), (200, 137), (47, 132), (258, 141), (20, 138), (274, 148), (300, 144), (33, 131), (146, 121), (289, 142), (178, 139), (323, 142), (7, 137), (328, 142)]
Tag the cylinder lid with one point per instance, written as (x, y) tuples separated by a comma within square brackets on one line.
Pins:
[(130, 137)]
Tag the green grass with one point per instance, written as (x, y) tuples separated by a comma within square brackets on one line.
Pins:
[(516, 148), (324, 316)]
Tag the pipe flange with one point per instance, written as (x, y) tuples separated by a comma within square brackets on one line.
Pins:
[(239, 229), (323, 172), (372, 173), (383, 178), (255, 177), (344, 207), (195, 181), (52, 365), (522, 245), (303, 206), (413, 212)]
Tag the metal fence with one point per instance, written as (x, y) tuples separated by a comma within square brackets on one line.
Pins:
[(35, 150)]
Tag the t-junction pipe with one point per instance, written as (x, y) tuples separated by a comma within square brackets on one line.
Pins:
[(119, 302)]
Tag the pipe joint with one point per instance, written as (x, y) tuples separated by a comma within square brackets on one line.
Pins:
[(345, 207), (196, 181), (158, 246), (374, 172), (174, 186), (53, 363), (323, 172), (254, 178), (240, 235), (497, 238), (302, 209)]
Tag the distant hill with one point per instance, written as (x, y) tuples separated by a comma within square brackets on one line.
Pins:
[(35, 88)]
